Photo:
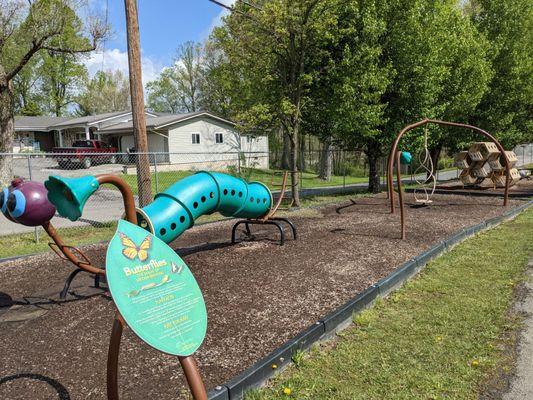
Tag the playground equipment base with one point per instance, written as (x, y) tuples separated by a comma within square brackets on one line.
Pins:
[(98, 279), (271, 221)]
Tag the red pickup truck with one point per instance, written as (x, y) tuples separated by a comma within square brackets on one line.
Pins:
[(85, 153)]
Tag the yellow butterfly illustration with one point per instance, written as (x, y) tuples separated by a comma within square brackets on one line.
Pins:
[(131, 250)]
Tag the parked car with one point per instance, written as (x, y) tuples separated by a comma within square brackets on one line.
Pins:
[(85, 153)]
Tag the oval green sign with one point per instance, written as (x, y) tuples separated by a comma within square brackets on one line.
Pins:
[(155, 291)]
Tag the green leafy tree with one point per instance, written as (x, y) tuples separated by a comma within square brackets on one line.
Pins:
[(273, 48), (105, 92), (62, 77), (27, 29), (506, 109), (178, 88), (27, 96)]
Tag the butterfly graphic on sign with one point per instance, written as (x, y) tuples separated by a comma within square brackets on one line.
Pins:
[(176, 269), (132, 251)]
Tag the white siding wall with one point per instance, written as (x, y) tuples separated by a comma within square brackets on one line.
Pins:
[(180, 137), (258, 145), (156, 143), (207, 154)]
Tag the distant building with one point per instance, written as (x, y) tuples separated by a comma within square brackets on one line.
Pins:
[(175, 136)]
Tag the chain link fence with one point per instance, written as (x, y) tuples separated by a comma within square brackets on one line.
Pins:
[(166, 169), (105, 207)]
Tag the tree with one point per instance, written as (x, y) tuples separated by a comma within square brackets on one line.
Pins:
[(178, 87), (273, 48), (105, 92), (506, 109), (62, 77), (357, 76), (27, 29), (27, 96)]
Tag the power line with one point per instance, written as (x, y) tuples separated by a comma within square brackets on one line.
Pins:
[(246, 15)]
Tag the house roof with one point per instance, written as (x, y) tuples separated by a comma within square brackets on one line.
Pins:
[(108, 122), (89, 120), (162, 121), (39, 123)]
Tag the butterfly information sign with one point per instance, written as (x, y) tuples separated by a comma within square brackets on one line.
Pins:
[(155, 292)]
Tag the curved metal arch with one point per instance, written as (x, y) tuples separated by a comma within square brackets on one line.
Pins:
[(394, 149)]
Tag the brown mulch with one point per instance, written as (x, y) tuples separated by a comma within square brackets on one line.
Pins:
[(258, 295)]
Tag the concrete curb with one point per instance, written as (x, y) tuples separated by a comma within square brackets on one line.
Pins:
[(342, 317)]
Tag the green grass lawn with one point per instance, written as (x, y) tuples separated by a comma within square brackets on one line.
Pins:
[(21, 244), (269, 177), (442, 336)]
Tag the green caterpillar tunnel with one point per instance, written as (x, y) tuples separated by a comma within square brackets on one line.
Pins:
[(174, 211)]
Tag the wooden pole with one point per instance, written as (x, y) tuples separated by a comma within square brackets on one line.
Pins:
[(137, 104)]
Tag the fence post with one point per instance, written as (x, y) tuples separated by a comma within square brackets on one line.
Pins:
[(156, 175), (35, 230), (239, 163), (343, 169)]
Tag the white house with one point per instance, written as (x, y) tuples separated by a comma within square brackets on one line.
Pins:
[(181, 141)]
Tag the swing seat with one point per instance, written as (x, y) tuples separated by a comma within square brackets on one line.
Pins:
[(422, 201)]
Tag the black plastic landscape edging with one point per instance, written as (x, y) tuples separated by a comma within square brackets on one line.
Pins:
[(266, 368), (460, 192)]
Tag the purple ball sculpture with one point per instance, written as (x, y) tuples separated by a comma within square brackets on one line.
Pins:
[(26, 203)]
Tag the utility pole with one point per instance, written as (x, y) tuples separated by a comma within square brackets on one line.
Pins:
[(142, 161)]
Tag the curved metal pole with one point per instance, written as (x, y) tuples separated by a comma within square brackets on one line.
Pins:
[(400, 192), (125, 190), (86, 265), (65, 250), (445, 123), (194, 379)]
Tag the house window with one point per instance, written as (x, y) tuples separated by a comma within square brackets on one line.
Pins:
[(219, 138), (195, 138)]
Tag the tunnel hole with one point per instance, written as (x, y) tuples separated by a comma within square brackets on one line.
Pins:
[(173, 226), (182, 219), (203, 199), (264, 201), (258, 201), (195, 204), (211, 195), (251, 199), (240, 194), (233, 192), (163, 231), (225, 192)]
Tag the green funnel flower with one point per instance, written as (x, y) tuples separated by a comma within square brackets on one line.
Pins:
[(69, 195)]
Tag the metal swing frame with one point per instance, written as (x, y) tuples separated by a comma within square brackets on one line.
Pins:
[(394, 155)]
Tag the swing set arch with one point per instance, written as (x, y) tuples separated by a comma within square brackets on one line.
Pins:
[(394, 152)]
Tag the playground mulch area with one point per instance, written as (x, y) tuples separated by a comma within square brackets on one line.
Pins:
[(523, 189), (258, 295)]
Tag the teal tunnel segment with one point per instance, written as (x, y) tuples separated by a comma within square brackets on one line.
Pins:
[(174, 211)]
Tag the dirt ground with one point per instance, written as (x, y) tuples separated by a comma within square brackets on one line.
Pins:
[(258, 295)]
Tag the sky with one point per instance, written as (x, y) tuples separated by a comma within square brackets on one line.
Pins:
[(164, 25)]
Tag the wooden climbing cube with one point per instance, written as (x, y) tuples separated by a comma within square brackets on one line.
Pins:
[(482, 151), (499, 178), (480, 169), (462, 160), (498, 164), (466, 178)]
